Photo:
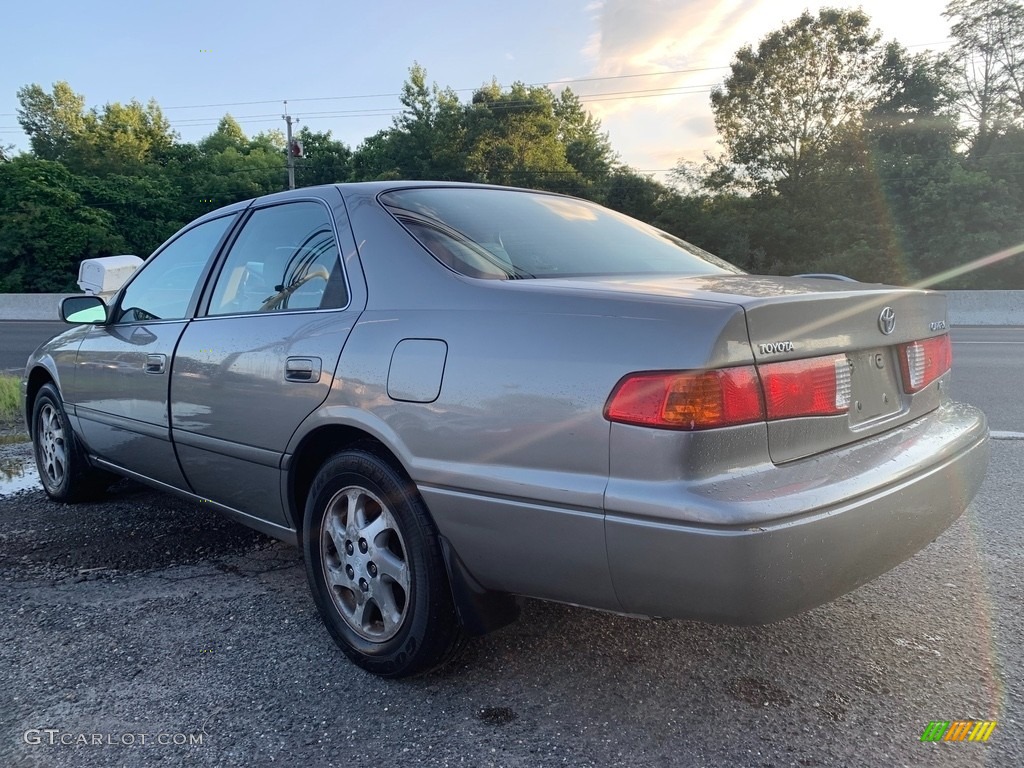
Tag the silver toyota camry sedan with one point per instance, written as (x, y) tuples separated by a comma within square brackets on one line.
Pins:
[(451, 396)]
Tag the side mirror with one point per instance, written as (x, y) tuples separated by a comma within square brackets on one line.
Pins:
[(83, 310)]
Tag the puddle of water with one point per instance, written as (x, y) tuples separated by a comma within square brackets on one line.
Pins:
[(17, 475)]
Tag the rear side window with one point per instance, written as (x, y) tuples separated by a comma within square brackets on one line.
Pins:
[(285, 258), (504, 234)]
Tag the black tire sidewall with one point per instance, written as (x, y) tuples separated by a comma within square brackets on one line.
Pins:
[(428, 602)]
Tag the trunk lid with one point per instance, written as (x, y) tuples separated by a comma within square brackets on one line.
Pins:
[(865, 323), (794, 318)]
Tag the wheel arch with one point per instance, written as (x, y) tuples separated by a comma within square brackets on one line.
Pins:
[(313, 450), (39, 376), (480, 610)]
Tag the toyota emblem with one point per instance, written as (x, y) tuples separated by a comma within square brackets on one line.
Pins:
[(887, 321)]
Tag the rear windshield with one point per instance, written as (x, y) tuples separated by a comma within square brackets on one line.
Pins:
[(503, 234)]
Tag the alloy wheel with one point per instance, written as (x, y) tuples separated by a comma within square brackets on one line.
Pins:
[(364, 561), (52, 446)]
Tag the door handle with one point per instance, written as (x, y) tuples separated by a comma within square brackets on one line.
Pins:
[(156, 363), (305, 369)]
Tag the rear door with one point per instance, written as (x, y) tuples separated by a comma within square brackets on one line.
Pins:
[(123, 369), (261, 355)]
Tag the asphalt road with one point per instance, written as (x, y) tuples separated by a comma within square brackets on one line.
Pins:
[(18, 338), (148, 619), (988, 370)]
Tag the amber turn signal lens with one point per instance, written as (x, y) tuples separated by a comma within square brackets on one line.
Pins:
[(689, 400)]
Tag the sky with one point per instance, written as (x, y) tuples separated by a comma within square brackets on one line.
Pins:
[(645, 68)]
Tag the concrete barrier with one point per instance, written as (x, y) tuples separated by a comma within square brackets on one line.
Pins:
[(986, 307), (31, 306), (965, 307)]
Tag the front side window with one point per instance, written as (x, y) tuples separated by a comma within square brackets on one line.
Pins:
[(163, 288), (505, 234), (285, 258)]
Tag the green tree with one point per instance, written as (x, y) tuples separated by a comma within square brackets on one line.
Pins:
[(234, 176), (636, 195), (783, 103), (46, 229), (587, 148), (147, 209), (377, 158), (121, 138), (118, 138), (228, 134), (988, 50), (513, 138), (53, 121), (326, 160), (426, 140), (268, 141)]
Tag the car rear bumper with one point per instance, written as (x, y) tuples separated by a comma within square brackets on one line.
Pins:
[(868, 507)]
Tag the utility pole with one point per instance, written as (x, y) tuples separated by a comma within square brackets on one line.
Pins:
[(289, 147)]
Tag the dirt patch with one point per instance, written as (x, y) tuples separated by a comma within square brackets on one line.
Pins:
[(131, 529)]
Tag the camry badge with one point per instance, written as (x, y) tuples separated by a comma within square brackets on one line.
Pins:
[(887, 321)]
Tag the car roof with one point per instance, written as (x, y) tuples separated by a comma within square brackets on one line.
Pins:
[(365, 187)]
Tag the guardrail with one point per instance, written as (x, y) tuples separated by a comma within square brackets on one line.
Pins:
[(965, 307)]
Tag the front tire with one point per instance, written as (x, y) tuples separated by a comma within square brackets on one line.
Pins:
[(64, 470), (375, 567)]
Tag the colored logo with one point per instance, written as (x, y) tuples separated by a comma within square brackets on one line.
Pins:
[(958, 730)]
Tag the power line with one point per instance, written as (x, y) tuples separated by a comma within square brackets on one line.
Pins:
[(548, 83), (671, 91), (195, 122), (454, 90)]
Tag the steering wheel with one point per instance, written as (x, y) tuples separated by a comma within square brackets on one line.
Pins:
[(138, 314)]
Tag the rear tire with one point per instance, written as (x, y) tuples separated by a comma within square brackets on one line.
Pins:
[(64, 469), (375, 567)]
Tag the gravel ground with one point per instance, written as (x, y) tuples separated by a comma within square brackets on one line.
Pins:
[(146, 618)]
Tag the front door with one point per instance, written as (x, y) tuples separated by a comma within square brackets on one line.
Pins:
[(123, 369)]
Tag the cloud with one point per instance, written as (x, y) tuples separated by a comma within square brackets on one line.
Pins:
[(661, 32), (637, 48), (655, 112), (664, 36)]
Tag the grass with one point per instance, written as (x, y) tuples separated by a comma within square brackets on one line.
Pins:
[(9, 397)]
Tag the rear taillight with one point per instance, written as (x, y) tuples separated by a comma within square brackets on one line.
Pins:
[(693, 400), (819, 386), (922, 362), (689, 400)]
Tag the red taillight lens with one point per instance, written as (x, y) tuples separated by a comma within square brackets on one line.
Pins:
[(922, 362), (819, 386), (690, 400)]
